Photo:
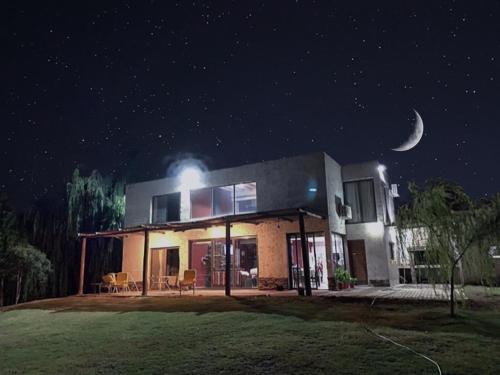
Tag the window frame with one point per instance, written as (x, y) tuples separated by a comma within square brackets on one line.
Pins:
[(357, 182), (166, 195), (212, 190)]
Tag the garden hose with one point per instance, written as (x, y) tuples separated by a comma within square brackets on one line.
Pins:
[(384, 338)]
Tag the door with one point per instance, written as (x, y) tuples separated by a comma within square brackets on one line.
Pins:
[(357, 260), (317, 261), (200, 259), (173, 262)]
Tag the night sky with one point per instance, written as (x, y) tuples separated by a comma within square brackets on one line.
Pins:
[(127, 87)]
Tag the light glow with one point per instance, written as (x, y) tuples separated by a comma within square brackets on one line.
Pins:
[(381, 171), (190, 178)]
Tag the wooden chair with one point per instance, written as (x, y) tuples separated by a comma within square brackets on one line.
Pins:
[(122, 281), (109, 282), (189, 280)]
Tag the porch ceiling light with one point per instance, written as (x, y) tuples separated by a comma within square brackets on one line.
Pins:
[(190, 177)]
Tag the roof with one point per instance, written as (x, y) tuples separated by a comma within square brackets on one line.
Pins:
[(179, 226)]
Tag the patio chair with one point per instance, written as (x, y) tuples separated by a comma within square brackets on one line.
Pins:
[(188, 281), (122, 281), (109, 282)]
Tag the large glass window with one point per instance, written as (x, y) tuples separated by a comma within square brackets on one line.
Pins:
[(209, 260), (224, 200), (201, 203), (246, 197), (166, 208), (360, 196)]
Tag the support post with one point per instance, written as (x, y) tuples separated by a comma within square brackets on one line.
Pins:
[(228, 258), (305, 255), (145, 268), (82, 266)]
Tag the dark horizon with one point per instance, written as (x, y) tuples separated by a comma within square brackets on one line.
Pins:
[(127, 88)]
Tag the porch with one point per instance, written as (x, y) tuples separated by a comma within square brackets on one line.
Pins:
[(249, 251)]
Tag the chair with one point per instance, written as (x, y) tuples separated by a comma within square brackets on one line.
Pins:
[(109, 281), (188, 281), (122, 281)]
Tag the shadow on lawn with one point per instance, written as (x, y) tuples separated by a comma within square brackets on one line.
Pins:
[(414, 316)]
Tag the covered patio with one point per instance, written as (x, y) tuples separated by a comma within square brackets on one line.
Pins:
[(291, 217)]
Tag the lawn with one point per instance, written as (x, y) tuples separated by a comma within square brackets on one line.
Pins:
[(157, 335)]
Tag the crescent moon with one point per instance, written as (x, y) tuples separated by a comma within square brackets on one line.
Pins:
[(415, 137)]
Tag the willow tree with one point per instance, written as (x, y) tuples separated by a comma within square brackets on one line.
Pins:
[(96, 204), (453, 230)]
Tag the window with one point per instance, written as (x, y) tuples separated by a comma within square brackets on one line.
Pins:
[(360, 196), (201, 203), (338, 250), (224, 200), (391, 250), (166, 208), (245, 197)]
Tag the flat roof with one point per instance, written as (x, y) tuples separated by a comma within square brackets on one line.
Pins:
[(179, 226)]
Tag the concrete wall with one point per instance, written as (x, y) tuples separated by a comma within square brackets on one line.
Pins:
[(271, 245), (281, 184), (376, 235)]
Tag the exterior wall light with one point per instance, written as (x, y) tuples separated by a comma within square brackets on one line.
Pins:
[(381, 171), (190, 178)]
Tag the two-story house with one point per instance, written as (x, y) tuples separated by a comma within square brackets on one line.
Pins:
[(253, 222)]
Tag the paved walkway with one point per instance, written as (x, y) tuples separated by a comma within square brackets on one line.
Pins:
[(409, 292)]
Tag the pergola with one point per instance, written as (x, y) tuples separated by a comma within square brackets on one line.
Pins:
[(178, 226)]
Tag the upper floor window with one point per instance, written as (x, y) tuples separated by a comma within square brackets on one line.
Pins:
[(224, 200), (360, 196), (166, 208), (246, 197)]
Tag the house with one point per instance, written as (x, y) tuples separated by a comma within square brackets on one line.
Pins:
[(287, 223)]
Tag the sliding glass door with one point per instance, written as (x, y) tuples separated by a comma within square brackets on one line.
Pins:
[(317, 261), (208, 258)]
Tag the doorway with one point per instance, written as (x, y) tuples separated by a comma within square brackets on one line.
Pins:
[(317, 261), (164, 262), (357, 260), (208, 258)]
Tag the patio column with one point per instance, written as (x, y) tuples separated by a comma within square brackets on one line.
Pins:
[(305, 255), (145, 268), (82, 266), (227, 281)]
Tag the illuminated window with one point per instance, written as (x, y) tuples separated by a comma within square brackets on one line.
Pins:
[(224, 200), (201, 203), (245, 197)]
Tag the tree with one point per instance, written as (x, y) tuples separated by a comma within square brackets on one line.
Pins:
[(96, 204), (7, 239), (26, 264), (455, 231)]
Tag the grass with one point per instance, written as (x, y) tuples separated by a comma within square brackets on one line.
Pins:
[(259, 335)]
